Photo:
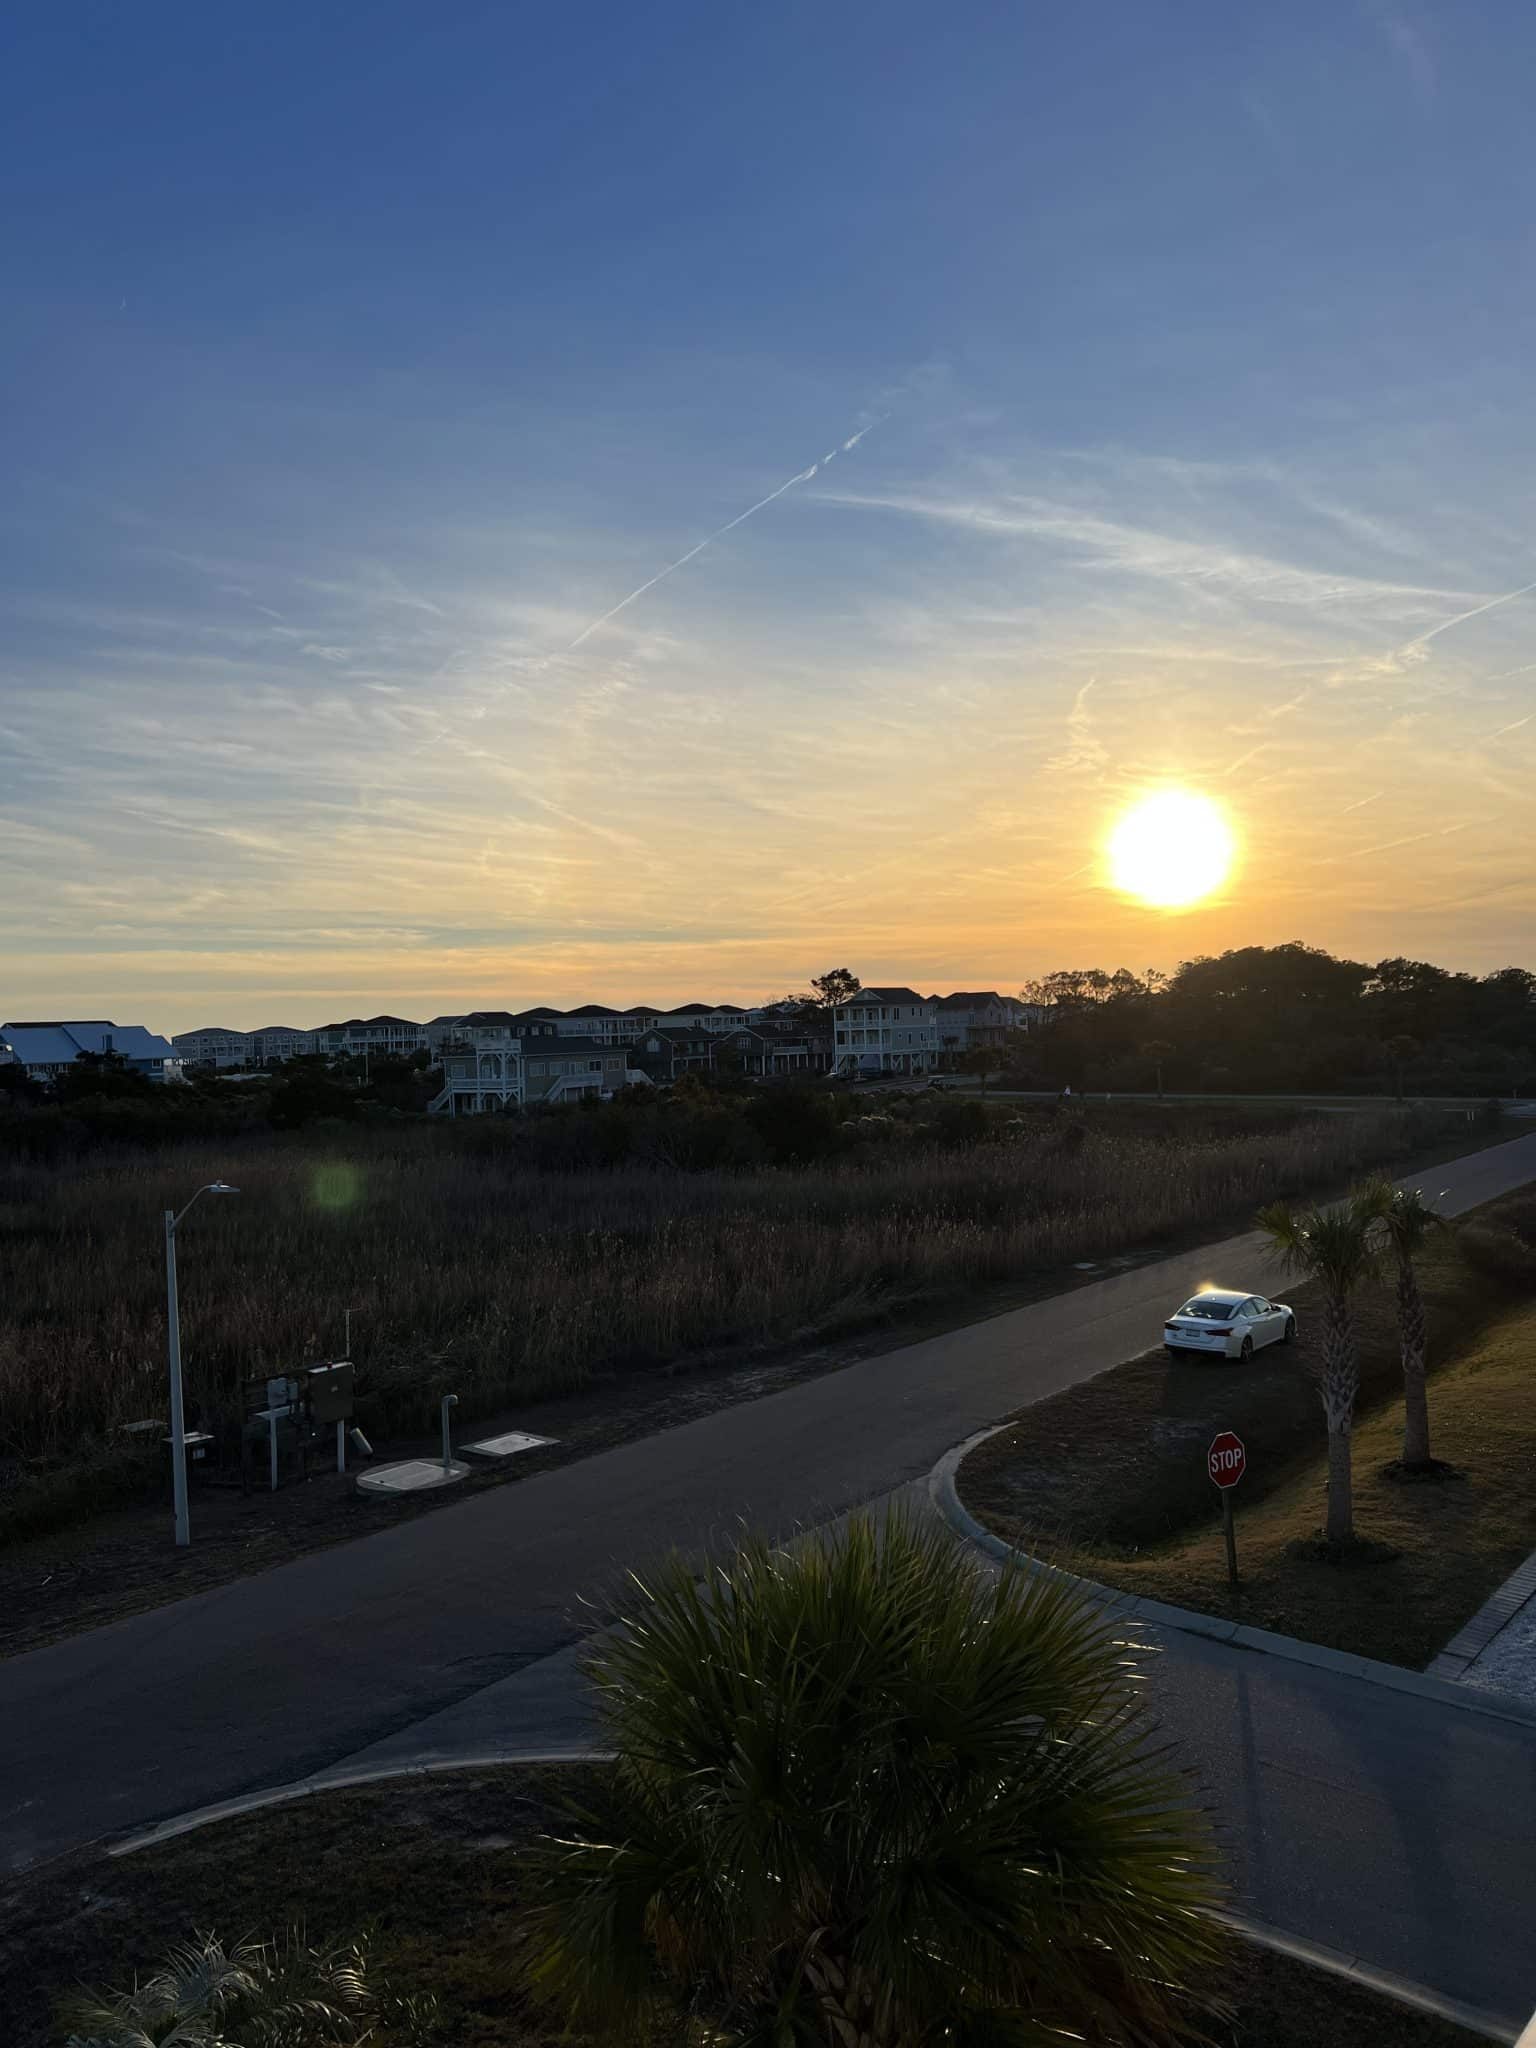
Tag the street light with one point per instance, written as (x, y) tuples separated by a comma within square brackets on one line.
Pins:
[(173, 1326)]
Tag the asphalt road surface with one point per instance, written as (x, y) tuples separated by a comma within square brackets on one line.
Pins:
[(1382, 1824)]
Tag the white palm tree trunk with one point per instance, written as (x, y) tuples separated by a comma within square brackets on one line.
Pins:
[(1413, 1336), (1340, 1383)]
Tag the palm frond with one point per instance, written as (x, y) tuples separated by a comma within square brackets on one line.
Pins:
[(1333, 1245), (865, 1751), (1405, 1218), (204, 1994)]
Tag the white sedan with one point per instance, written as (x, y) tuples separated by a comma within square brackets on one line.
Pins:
[(1234, 1325)]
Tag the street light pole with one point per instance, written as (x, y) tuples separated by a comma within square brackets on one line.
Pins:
[(178, 1413), (173, 1334)]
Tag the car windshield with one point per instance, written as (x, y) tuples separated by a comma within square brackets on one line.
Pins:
[(1210, 1311)]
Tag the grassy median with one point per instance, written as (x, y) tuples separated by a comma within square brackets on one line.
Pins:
[(1108, 1479)]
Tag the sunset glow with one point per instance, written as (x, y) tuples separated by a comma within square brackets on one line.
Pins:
[(688, 586)]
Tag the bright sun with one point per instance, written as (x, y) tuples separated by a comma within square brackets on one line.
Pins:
[(1170, 849)]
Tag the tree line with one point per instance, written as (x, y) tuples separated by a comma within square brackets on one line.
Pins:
[(1289, 1018)]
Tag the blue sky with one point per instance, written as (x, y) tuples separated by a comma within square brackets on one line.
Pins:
[(360, 360)]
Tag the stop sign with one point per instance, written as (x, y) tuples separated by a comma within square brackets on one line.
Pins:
[(1226, 1460)]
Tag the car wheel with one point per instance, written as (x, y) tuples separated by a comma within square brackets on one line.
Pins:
[(1174, 1350), (1290, 1331), (1247, 1351)]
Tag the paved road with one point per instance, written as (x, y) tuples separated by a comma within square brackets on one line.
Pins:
[(1388, 1826), (265, 1680)]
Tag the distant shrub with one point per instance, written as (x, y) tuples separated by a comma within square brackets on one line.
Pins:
[(306, 1097), (1499, 1253), (961, 1121), (1517, 1212)]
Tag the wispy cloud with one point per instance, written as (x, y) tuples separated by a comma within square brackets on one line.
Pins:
[(249, 761), (1413, 653), (1084, 750), (1408, 46), (1104, 543)]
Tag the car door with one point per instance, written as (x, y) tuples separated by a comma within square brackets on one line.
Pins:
[(1268, 1323)]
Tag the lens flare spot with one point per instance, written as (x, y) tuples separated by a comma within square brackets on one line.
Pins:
[(336, 1186), (1171, 849)]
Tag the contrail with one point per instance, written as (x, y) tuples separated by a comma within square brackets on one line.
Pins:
[(801, 477), (1391, 845), (1513, 727), (1476, 612), (1243, 759)]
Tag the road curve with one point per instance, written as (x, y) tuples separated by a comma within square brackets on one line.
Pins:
[(275, 1676)]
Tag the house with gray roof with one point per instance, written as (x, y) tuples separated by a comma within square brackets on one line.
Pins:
[(885, 1031), (45, 1048)]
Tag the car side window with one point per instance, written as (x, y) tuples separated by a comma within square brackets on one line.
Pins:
[(1248, 1308), (1259, 1306)]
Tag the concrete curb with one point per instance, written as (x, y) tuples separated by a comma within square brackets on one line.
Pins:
[(1400, 1989), (341, 1781), (1489, 1622), (944, 1494), (1493, 2026)]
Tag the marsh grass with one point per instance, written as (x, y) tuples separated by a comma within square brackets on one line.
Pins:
[(465, 1269)]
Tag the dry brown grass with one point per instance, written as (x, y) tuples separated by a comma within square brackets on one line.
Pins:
[(466, 1270)]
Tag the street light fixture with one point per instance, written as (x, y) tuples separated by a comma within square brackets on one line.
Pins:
[(173, 1326)]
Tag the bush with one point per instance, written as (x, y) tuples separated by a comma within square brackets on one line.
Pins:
[(864, 1790), (1498, 1253), (44, 1494), (961, 1121), (795, 1125), (306, 1096)]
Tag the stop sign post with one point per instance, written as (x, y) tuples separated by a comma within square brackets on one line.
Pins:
[(1226, 1461)]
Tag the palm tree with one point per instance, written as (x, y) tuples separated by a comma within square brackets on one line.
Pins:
[(1400, 1050), (1333, 1247), (277, 1994), (1407, 1221), (1157, 1050), (980, 1060), (862, 1792)]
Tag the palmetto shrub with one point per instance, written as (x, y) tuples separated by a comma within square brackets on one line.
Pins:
[(248, 1994), (866, 1793)]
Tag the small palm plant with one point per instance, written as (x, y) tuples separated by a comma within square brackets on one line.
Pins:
[(1407, 1221), (253, 1994), (1334, 1247), (865, 1793)]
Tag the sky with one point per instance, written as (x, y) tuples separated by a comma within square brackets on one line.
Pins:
[(513, 505)]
